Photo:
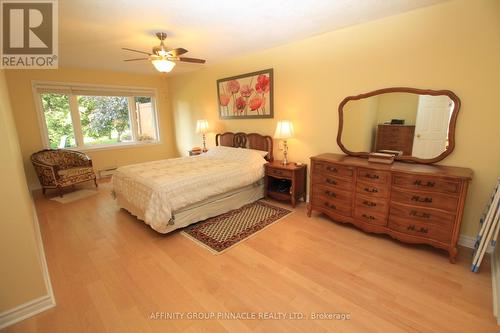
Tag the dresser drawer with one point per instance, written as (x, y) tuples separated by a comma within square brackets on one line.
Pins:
[(333, 169), (414, 182), (375, 176), (368, 216), (371, 204), (421, 229), (335, 206), (421, 214), (327, 192), (426, 199), (372, 189), (279, 173), (334, 182)]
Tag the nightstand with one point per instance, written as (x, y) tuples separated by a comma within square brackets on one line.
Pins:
[(285, 182), (194, 153)]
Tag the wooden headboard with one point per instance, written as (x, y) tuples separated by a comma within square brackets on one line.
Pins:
[(244, 140)]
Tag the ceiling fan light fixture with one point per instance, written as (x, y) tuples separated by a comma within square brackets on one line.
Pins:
[(163, 65)]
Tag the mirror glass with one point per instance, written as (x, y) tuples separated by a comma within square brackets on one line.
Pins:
[(400, 123)]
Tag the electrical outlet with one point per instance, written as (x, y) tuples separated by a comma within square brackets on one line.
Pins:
[(280, 145)]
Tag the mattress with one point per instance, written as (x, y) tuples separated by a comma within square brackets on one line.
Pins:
[(157, 189)]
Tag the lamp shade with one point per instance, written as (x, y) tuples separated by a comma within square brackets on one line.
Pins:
[(284, 129), (163, 65), (202, 126)]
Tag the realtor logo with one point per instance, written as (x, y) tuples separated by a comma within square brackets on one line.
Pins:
[(29, 34)]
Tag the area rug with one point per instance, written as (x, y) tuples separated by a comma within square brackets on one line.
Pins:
[(221, 232), (74, 196)]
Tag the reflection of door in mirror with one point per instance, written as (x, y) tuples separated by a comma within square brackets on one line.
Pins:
[(431, 131)]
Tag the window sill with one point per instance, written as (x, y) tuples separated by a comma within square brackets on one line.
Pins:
[(116, 146)]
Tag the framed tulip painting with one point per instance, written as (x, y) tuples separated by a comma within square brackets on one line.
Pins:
[(246, 96)]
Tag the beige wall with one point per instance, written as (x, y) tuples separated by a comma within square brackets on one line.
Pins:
[(452, 46), (21, 278), (397, 106), (26, 118)]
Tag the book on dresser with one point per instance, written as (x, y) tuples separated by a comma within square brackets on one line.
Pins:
[(413, 203), (381, 158)]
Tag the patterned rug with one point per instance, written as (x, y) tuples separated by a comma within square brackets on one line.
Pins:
[(221, 232)]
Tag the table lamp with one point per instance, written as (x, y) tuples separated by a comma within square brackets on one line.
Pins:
[(284, 130), (202, 127)]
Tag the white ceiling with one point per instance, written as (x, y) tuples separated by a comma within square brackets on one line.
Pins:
[(92, 32)]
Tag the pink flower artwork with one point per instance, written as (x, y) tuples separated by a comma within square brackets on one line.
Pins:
[(255, 103), (240, 104), (262, 85), (224, 99), (246, 90), (246, 96), (233, 86)]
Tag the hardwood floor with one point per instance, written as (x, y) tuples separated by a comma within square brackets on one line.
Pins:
[(110, 273)]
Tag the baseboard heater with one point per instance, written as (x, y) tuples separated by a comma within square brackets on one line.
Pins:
[(107, 172)]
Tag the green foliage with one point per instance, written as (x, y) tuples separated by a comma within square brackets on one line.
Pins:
[(101, 115), (143, 99), (58, 118)]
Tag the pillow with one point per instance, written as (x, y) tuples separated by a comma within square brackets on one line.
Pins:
[(237, 154), (262, 153)]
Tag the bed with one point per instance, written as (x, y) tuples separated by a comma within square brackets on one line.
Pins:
[(174, 193)]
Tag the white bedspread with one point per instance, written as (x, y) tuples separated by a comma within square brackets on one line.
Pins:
[(161, 187)]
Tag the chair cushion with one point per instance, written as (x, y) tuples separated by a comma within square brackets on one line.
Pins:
[(72, 172)]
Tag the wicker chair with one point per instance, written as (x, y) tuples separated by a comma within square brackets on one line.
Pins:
[(59, 168)]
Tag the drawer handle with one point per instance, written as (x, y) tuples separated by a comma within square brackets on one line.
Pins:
[(368, 217), (278, 172), (331, 181), (371, 176), (419, 183), (373, 190), (331, 194), (332, 169), (329, 205), (412, 227), (422, 215), (369, 203), (417, 198)]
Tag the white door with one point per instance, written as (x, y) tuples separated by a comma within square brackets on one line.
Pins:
[(431, 127)]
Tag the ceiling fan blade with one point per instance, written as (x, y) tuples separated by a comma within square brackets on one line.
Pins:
[(136, 59), (177, 52), (127, 49), (194, 60)]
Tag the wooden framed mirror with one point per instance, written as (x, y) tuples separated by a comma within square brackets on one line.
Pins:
[(416, 125)]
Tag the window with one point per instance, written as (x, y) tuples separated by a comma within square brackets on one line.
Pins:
[(93, 117)]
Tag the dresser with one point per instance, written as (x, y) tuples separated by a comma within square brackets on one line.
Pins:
[(414, 203), (395, 137)]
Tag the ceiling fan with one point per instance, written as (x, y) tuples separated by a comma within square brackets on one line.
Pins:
[(163, 59)]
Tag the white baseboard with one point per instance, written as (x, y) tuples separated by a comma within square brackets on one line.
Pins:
[(37, 305), (26, 310), (468, 241)]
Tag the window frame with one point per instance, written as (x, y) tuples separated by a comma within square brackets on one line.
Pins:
[(68, 88)]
